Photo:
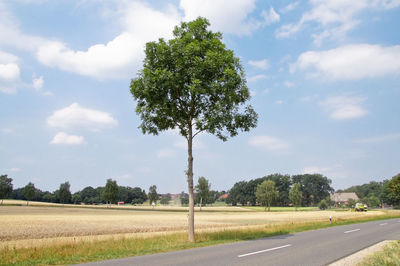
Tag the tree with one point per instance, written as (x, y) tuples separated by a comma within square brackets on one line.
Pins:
[(295, 195), (184, 198), (64, 193), (6, 187), (153, 195), (322, 205), (110, 191), (393, 190), (165, 199), (315, 187), (29, 192), (203, 190), (282, 184), (192, 83), (266, 193)]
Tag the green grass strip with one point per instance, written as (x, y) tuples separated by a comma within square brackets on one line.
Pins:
[(390, 255), (126, 247)]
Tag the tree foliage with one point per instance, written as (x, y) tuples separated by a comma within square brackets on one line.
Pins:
[(195, 84), (296, 195), (6, 187), (203, 190), (110, 191), (29, 192), (393, 190), (64, 193), (165, 199), (266, 193), (153, 195), (315, 187)]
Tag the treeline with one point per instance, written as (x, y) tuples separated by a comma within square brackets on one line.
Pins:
[(375, 193), (313, 187), (110, 193)]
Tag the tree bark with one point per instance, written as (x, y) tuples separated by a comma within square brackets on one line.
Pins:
[(190, 185)]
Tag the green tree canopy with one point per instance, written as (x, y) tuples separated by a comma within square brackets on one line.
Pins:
[(29, 192), (165, 199), (315, 187), (6, 187), (295, 195), (393, 190), (203, 190), (194, 83), (153, 195), (110, 191), (266, 193), (64, 193)]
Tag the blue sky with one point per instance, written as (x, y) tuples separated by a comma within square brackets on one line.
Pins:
[(324, 76)]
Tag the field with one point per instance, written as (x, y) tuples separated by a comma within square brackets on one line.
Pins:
[(45, 224)]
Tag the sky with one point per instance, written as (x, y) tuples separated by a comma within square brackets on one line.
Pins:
[(324, 76)]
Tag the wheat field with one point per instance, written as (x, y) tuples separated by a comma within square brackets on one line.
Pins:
[(27, 226)]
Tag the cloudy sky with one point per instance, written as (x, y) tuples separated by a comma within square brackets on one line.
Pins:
[(324, 77)]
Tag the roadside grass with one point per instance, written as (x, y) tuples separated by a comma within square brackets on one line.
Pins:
[(390, 255), (280, 209), (83, 251)]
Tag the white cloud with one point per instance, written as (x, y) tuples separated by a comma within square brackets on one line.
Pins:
[(75, 116), (334, 171), (289, 7), (227, 16), (9, 73), (271, 16), (15, 169), (64, 138), (166, 153), (344, 107), (289, 84), (379, 139), (261, 64), (334, 18), (268, 143), (123, 176), (351, 62), (253, 93), (37, 83), (279, 102), (256, 78)]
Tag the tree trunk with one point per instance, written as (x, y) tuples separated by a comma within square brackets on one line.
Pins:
[(201, 202), (190, 186)]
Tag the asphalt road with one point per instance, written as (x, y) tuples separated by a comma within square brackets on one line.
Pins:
[(318, 247)]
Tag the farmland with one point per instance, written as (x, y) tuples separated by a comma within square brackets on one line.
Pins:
[(41, 224)]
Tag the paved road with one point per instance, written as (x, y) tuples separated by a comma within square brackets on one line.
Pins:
[(318, 247)]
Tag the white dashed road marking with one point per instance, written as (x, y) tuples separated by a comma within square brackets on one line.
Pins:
[(351, 231), (262, 251)]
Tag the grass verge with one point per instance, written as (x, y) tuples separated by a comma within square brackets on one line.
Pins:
[(390, 255), (124, 247), (281, 209)]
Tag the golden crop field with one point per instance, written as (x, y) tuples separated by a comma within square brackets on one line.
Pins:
[(26, 226)]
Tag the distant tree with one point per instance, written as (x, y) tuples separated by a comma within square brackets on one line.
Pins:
[(110, 192), (184, 198), (138, 195), (6, 187), (371, 201), (203, 190), (323, 205), (314, 187), (76, 198), (29, 192), (266, 193), (64, 193), (282, 184), (165, 199), (295, 195), (351, 203), (242, 192), (153, 195), (393, 190), (194, 83)]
